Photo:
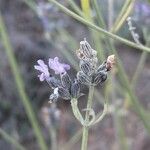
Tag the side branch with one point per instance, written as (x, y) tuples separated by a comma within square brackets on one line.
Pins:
[(76, 111)]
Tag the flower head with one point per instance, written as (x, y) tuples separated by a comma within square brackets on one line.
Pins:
[(43, 68), (90, 73), (58, 67)]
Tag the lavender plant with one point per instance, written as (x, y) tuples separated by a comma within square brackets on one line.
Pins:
[(91, 74)]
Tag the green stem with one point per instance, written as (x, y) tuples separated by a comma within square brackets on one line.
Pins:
[(20, 85), (76, 111), (122, 12), (75, 7), (87, 115), (100, 20), (139, 69), (90, 24), (123, 19), (85, 4), (11, 140)]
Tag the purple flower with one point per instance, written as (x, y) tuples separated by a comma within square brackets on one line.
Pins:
[(43, 69), (58, 67)]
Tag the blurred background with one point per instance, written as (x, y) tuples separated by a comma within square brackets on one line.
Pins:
[(37, 29)]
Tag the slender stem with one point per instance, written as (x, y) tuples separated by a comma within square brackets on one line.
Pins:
[(85, 4), (11, 140), (20, 85), (100, 19), (110, 13), (75, 7), (90, 24), (87, 115), (102, 115), (124, 17), (123, 10), (76, 111)]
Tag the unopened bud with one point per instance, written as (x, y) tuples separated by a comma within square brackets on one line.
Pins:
[(75, 89), (65, 80), (83, 78), (64, 93), (85, 48), (110, 62), (86, 67), (53, 82), (100, 77)]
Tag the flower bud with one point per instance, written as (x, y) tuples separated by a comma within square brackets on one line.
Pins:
[(85, 48), (63, 93), (65, 80), (102, 67), (83, 78), (110, 62), (86, 67), (75, 89), (99, 77), (53, 82)]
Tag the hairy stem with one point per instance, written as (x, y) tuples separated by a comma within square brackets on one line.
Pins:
[(87, 117), (76, 111)]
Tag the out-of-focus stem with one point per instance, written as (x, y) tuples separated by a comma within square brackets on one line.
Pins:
[(20, 85), (53, 137), (110, 13), (75, 7), (11, 140), (122, 12), (123, 19)]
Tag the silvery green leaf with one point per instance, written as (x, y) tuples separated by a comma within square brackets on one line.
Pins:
[(64, 93), (65, 80)]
